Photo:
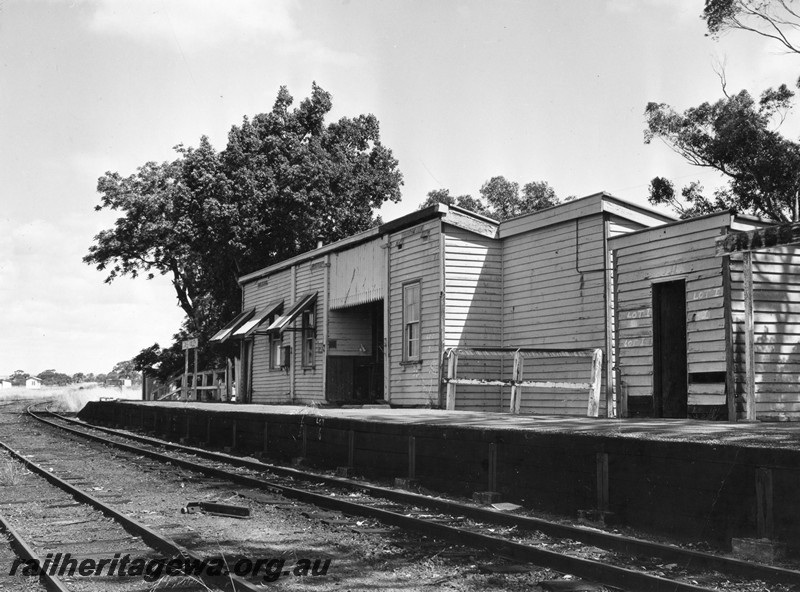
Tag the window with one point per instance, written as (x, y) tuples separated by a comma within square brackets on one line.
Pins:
[(275, 343), (411, 323), (308, 332)]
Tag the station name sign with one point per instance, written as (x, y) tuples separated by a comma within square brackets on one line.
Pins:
[(190, 343)]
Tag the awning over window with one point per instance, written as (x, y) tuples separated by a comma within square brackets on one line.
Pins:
[(283, 321), (357, 275), (224, 334), (248, 328)]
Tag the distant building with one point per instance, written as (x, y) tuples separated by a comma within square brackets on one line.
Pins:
[(33, 383), (5, 383)]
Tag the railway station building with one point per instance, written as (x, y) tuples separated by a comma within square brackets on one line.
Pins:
[(595, 297), (370, 318)]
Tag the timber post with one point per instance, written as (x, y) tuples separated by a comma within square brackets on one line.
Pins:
[(516, 380), (452, 368), (596, 382), (765, 521), (749, 339)]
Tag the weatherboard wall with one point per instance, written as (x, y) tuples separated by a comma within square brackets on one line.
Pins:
[(678, 251), (473, 316), (268, 385), (310, 276), (776, 322), (415, 255), (554, 298)]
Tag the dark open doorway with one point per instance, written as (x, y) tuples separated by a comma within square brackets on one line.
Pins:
[(355, 354), (670, 390)]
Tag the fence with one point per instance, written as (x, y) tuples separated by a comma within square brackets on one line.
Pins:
[(517, 381), (201, 386)]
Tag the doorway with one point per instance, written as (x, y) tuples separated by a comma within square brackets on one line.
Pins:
[(670, 390), (354, 372)]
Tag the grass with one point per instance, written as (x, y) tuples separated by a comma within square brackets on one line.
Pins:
[(71, 398), (10, 474)]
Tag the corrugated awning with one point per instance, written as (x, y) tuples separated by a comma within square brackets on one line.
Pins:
[(357, 275), (223, 334), (248, 328), (280, 324)]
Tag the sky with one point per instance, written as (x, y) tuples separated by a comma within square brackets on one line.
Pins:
[(533, 90)]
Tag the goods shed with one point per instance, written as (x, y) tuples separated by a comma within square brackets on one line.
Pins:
[(706, 332)]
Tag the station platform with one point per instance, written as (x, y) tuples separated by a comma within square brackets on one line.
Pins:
[(697, 480)]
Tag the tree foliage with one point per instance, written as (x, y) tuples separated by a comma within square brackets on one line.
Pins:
[(463, 201), (500, 198), (738, 137), (52, 378), (285, 180), (774, 19)]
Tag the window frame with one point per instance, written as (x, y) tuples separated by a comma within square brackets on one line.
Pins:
[(409, 324), (275, 343), (308, 334)]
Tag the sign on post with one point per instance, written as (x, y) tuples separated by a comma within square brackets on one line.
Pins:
[(187, 345)]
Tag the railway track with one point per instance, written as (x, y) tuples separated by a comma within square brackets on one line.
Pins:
[(613, 560), (61, 528)]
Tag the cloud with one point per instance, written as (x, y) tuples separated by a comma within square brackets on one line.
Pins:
[(195, 23), (684, 9), (199, 25), (56, 312)]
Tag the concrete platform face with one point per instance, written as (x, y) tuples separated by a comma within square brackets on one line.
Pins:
[(682, 478)]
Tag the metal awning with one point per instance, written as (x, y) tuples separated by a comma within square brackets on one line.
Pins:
[(223, 334), (280, 324), (248, 328)]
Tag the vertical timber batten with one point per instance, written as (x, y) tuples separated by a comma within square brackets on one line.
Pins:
[(730, 379), (293, 358), (749, 338), (387, 334), (622, 397), (608, 296), (325, 318), (442, 308)]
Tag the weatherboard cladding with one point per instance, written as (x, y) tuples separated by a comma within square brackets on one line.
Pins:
[(473, 288), (268, 386), (684, 250), (676, 252), (554, 297), (415, 255), (535, 281), (776, 321), (310, 276)]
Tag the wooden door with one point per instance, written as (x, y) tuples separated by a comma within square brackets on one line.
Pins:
[(670, 390)]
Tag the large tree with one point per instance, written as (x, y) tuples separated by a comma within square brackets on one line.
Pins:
[(774, 19), (738, 137), (500, 198), (286, 180), (463, 201)]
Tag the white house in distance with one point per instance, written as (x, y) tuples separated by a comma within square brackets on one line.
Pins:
[(33, 383)]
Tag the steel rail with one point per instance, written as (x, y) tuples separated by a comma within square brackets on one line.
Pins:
[(149, 536), (26, 553), (609, 541), (589, 569)]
